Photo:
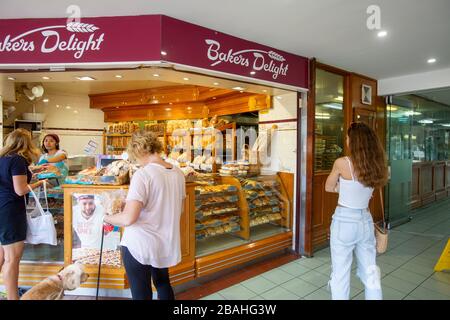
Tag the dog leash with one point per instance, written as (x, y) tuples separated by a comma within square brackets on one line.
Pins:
[(100, 262)]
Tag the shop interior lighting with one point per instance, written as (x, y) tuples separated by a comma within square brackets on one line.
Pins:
[(391, 108), (264, 90), (85, 78), (186, 79), (382, 34), (335, 106), (279, 97), (45, 100), (340, 98), (446, 125), (252, 73), (68, 107), (216, 83), (238, 88), (412, 113), (118, 76), (11, 78), (156, 75), (426, 121), (45, 78), (431, 60), (168, 109), (163, 53)]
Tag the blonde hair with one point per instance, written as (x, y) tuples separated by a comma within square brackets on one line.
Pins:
[(19, 142), (143, 143)]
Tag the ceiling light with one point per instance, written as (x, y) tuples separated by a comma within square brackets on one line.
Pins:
[(431, 60), (170, 103), (45, 78), (189, 108), (323, 117), (445, 124), (75, 111), (335, 106), (68, 107), (279, 97), (45, 100), (426, 121), (156, 75), (118, 76), (242, 91), (264, 90), (391, 108), (168, 109), (214, 98), (412, 113), (185, 79), (252, 73), (11, 78), (322, 114), (238, 88), (382, 34), (216, 83), (163, 53), (57, 106), (85, 78)]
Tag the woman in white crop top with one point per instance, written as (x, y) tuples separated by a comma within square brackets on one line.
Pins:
[(354, 178), (151, 217)]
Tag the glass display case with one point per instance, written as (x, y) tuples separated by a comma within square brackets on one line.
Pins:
[(329, 120)]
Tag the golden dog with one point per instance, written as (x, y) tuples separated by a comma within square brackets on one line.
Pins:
[(52, 288)]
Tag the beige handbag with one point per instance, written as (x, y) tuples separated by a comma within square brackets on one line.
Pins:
[(381, 233)]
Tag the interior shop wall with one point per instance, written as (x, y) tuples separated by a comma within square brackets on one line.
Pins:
[(284, 139), (69, 116)]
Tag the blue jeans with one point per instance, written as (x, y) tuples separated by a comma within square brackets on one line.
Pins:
[(353, 230)]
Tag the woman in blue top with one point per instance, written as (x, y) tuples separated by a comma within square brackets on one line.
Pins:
[(17, 154), (53, 155)]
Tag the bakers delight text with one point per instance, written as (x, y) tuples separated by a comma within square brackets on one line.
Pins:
[(259, 60), (52, 41)]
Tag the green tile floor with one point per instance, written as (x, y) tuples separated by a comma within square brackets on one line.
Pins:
[(406, 268)]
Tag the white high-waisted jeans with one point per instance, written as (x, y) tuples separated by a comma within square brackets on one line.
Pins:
[(353, 230)]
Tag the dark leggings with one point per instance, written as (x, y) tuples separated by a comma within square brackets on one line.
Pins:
[(140, 277)]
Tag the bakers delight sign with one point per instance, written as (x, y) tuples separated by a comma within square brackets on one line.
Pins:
[(51, 40), (147, 40), (259, 60)]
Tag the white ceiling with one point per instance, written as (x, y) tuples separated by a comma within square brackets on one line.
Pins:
[(333, 31)]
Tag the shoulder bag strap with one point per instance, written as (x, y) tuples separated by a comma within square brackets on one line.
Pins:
[(382, 207)]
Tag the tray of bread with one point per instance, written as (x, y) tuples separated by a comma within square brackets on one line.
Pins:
[(211, 190), (216, 221), (110, 258), (215, 231), (267, 218)]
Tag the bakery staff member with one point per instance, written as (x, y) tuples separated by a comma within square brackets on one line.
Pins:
[(53, 155), (88, 222)]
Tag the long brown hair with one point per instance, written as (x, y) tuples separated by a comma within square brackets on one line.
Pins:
[(19, 142), (368, 156)]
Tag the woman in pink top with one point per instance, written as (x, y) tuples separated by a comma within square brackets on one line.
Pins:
[(151, 217)]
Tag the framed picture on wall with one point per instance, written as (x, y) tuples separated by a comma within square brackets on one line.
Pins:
[(366, 94)]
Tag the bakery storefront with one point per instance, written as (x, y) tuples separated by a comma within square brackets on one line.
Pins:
[(225, 109)]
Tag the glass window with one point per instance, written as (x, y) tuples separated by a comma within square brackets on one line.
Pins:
[(329, 119)]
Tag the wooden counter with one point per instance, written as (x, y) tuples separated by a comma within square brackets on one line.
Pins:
[(430, 182)]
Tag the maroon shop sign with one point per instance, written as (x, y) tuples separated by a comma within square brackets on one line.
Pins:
[(143, 39)]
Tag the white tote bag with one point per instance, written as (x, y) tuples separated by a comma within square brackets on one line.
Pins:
[(41, 225)]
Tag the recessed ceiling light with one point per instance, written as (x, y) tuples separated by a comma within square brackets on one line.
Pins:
[(412, 113), (45, 78), (252, 72), (445, 124), (68, 107), (189, 108), (214, 98), (238, 88), (382, 34), (75, 111), (45, 100), (168, 109), (264, 90), (216, 83), (163, 53), (85, 78), (11, 78), (426, 121), (279, 97), (156, 75), (170, 103), (57, 106), (118, 76), (242, 91), (185, 79), (431, 60)]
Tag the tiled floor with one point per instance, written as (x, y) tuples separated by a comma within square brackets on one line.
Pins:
[(406, 268)]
